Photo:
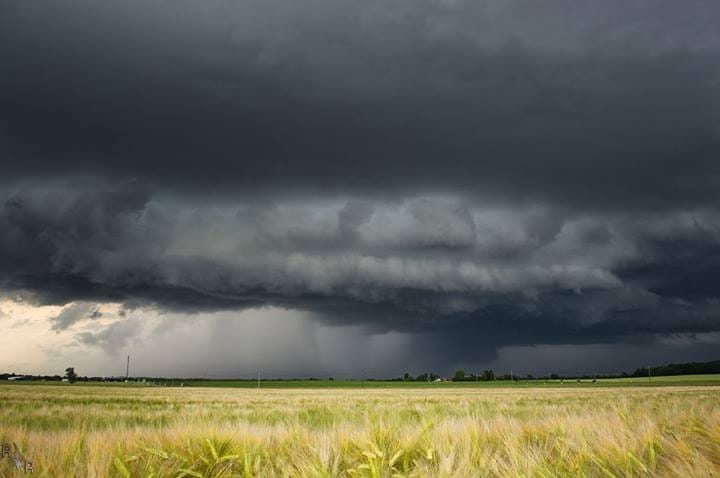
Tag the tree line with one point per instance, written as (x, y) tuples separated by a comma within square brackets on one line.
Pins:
[(690, 368)]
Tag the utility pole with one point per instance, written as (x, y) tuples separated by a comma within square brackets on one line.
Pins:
[(511, 375), (127, 368), (649, 377), (258, 377)]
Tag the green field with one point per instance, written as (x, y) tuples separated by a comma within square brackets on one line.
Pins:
[(708, 379), (677, 380)]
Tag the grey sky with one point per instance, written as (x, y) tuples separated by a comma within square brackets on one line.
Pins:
[(464, 177)]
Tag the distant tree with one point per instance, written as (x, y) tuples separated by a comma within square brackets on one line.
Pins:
[(459, 376), (423, 377), (554, 376), (488, 375), (406, 377), (70, 374)]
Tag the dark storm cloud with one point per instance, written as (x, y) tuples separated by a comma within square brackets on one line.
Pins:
[(608, 105), (476, 174), (461, 277)]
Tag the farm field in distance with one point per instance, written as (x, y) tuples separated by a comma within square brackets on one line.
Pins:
[(457, 430), (675, 380)]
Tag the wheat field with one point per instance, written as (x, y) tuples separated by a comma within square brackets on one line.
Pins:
[(76, 431)]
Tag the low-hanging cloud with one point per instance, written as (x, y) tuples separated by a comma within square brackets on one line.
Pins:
[(433, 265), (74, 313), (114, 336)]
